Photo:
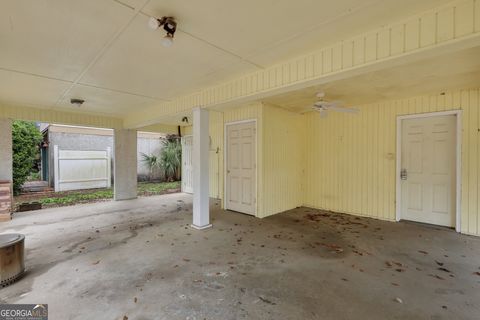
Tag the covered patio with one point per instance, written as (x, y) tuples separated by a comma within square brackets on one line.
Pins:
[(331, 150), (141, 260)]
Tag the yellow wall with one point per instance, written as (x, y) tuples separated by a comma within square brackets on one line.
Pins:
[(344, 163), (350, 160), (280, 155), (283, 160), (217, 123)]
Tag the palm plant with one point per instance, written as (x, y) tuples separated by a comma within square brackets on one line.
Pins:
[(171, 158), (152, 162)]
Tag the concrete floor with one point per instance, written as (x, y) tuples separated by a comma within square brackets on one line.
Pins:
[(139, 259)]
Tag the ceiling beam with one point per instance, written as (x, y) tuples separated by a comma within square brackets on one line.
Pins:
[(19, 112)]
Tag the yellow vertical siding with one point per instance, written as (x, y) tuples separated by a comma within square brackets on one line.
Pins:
[(280, 155), (283, 160), (217, 121), (253, 111), (350, 160)]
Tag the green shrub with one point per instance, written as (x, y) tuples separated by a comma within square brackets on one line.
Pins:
[(26, 139), (171, 158)]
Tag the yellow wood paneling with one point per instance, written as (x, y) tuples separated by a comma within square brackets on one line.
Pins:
[(445, 24), (217, 121), (412, 34), (280, 155), (359, 51), (371, 43), (283, 159), (397, 39), (428, 29), (350, 160), (477, 15), (347, 54), (464, 19)]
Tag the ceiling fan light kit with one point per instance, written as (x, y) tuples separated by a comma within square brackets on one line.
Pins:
[(169, 26)]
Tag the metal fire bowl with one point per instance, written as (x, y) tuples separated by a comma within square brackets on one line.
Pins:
[(12, 257)]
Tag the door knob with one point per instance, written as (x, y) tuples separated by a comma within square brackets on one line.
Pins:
[(403, 174)]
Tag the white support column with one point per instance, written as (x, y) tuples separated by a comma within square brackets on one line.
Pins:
[(201, 196), (6, 159), (125, 164)]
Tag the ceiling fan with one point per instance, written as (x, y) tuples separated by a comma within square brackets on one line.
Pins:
[(323, 106)]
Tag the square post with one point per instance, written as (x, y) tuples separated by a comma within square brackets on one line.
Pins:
[(125, 164), (200, 162)]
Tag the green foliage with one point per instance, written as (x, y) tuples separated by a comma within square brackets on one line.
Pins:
[(67, 198), (152, 162), (171, 158), (34, 176), (26, 139)]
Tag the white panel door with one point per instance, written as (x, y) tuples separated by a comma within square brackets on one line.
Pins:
[(241, 167), (187, 168), (428, 170)]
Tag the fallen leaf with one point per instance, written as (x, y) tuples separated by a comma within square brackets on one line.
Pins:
[(267, 301), (398, 300), (436, 276), (444, 269), (96, 262), (135, 299), (477, 273), (424, 252), (125, 318), (439, 263)]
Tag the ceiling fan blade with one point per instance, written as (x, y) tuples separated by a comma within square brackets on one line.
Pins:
[(343, 109)]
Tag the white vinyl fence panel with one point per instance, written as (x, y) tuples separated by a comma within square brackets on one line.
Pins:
[(75, 169)]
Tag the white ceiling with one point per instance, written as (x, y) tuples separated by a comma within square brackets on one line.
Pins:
[(453, 71), (102, 50)]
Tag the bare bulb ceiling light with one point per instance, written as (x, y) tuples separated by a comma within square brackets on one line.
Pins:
[(77, 102), (168, 24)]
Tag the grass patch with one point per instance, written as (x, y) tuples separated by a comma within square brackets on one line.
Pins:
[(67, 198)]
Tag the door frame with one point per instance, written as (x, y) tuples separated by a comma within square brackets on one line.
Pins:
[(225, 161), (458, 161)]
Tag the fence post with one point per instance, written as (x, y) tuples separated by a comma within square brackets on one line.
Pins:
[(109, 167), (55, 168)]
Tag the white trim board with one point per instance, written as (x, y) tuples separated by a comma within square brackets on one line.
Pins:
[(458, 161), (225, 161)]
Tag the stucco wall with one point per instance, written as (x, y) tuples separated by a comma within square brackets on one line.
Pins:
[(6, 149)]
